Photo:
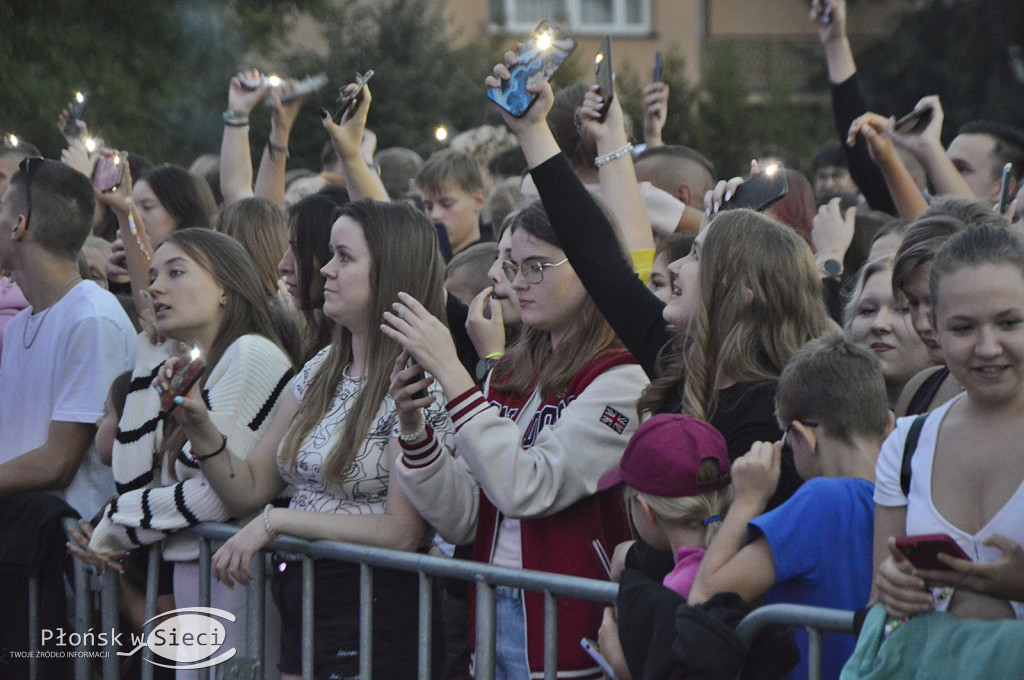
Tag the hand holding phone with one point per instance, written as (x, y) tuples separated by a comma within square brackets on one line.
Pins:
[(923, 550), (657, 67), (190, 367), (76, 110), (109, 173), (547, 48), (304, 88), (759, 191), (346, 102), (914, 122), (416, 378), (591, 648)]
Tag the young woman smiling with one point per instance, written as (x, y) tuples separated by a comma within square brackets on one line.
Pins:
[(967, 476)]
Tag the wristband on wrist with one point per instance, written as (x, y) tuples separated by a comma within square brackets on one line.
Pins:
[(267, 526), (609, 157), (223, 447), (236, 118), (273, 150)]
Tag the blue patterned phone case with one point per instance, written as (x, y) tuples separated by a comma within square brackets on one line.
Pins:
[(545, 50)]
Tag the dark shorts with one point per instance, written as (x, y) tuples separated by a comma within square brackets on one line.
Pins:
[(336, 621)]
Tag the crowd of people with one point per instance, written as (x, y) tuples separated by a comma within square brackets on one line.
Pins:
[(534, 341)]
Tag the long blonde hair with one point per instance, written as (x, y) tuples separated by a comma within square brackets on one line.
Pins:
[(531, 361), (760, 301), (405, 257)]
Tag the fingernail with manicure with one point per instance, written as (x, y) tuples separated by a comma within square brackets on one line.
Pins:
[(179, 400)]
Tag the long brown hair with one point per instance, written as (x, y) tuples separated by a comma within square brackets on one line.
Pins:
[(405, 258), (245, 307), (531, 361), (761, 300)]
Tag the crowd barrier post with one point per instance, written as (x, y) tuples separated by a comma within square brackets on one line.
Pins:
[(815, 619)]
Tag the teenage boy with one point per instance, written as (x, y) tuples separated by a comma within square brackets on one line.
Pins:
[(816, 548), (453, 196)]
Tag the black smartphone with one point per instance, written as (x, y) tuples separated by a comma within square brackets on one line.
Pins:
[(422, 393), (605, 74), (544, 51), (109, 173), (657, 67), (346, 102), (1004, 188), (759, 191), (914, 122), (76, 110)]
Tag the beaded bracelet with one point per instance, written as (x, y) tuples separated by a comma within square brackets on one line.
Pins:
[(273, 150), (267, 526), (236, 118), (609, 157)]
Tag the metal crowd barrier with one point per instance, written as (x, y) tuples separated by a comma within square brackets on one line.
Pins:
[(816, 620), (486, 577)]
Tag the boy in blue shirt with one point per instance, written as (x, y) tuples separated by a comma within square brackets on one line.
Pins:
[(816, 548)]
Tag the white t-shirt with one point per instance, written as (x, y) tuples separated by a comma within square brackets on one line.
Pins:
[(80, 345)]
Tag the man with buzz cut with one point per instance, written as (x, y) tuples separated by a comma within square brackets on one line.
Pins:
[(60, 356)]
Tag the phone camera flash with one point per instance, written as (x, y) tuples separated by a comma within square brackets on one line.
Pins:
[(770, 170), (599, 58), (544, 41), (273, 81), (12, 140), (90, 146), (441, 133), (79, 97)]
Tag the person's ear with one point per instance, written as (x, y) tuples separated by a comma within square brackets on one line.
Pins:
[(684, 194), (804, 436), (479, 199), (890, 424), (19, 230)]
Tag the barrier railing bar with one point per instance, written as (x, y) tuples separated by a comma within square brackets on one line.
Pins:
[(256, 613), (83, 613), (109, 617), (307, 617), (813, 654), (550, 635), (33, 626), (797, 615), (152, 592), (537, 581), (205, 564), (425, 627), (485, 630), (366, 621)]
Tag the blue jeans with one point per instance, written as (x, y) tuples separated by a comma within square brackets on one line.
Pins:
[(510, 658)]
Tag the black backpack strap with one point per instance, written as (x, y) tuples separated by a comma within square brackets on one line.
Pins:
[(908, 452)]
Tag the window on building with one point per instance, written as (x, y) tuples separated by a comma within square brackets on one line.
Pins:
[(582, 17)]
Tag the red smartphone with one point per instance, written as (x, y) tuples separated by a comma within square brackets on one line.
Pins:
[(183, 379), (605, 74), (923, 550), (109, 173)]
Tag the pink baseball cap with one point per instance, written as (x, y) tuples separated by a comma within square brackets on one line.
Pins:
[(663, 458)]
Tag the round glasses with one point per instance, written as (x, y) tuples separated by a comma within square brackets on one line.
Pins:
[(532, 271)]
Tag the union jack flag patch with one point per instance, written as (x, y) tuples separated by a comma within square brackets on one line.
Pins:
[(615, 420)]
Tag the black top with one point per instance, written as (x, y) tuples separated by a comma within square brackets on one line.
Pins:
[(849, 102), (746, 411)]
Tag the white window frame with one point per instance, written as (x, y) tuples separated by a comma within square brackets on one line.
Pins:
[(573, 23)]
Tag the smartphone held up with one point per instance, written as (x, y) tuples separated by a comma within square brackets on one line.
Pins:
[(547, 48), (109, 173), (760, 191), (347, 102), (191, 367), (605, 75)]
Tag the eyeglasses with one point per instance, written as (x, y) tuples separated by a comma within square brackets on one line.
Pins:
[(533, 272), (785, 435), (26, 165)]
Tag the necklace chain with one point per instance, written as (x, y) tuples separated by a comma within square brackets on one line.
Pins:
[(26, 343)]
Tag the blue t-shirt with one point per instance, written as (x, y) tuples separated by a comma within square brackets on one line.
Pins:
[(821, 541)]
